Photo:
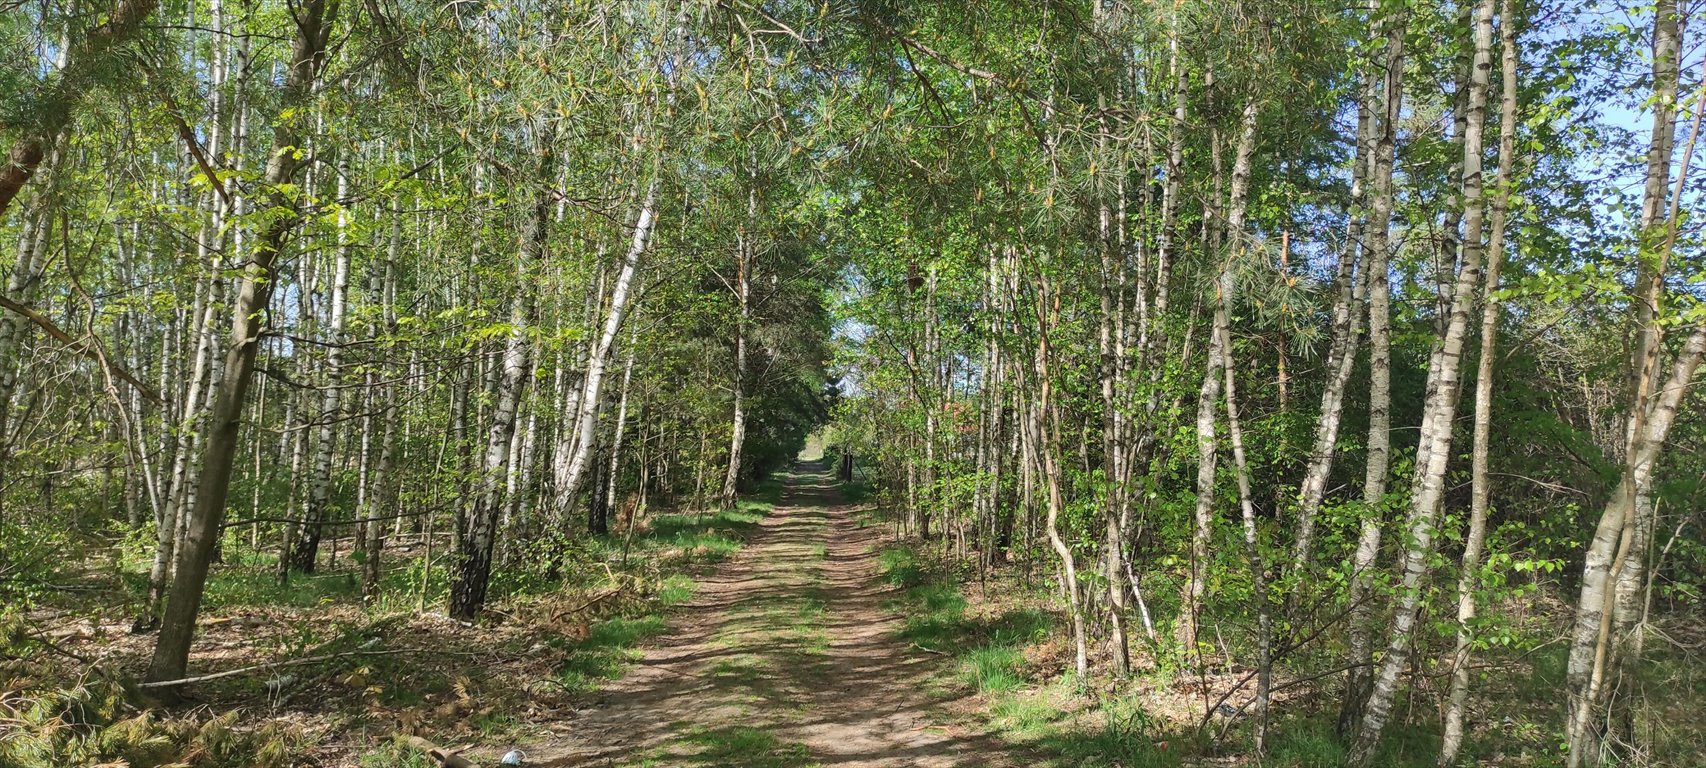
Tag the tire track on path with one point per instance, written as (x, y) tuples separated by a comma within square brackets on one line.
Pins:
[(786, 656)]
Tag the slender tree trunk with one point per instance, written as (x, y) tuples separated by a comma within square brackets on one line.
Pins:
[(1378, 452), (612, 474), (330, 421), (1252, 549), (472, 573), (313, 23), (1208, 395), (1202, 531), (21, 285), (523, 490), (1599, 638), (1428, 489), (1111, 348), (1480, 493), (1047, 422), (382, 495), (571, 472), (1239, 194), (1342, 351), (737, 432), (297, 437), (181, 483)]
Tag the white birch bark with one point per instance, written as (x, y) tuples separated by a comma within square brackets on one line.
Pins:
[(1428, 487), (1480, 492), (1342, 352), (743, 297), (572, 473), (1378, 451), (1046, 421), (1599, 638), (471, 574), (331, 404)]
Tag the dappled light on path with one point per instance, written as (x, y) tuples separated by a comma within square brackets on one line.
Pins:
[(786, 657)]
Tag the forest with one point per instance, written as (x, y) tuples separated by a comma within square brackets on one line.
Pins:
[(1082, 383)]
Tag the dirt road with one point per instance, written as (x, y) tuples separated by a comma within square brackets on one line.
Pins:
[(785, 657)]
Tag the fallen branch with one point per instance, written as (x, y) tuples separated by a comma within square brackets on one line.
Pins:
[(439, 754), (240, 621), (599, 598), (278, 665)]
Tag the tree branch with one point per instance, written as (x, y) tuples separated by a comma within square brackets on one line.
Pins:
[(80, 347)]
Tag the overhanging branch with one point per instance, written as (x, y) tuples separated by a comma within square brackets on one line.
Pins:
[(80, 347)]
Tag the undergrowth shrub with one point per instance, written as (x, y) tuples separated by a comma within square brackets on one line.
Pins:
[(93, 722), (90, 724)]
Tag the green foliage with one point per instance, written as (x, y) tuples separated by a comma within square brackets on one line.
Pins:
[(605, 652), (993, 669), (940, 212)]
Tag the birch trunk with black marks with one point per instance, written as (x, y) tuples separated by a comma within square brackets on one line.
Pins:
[(1468, 578), (573, 458), (472, 570), (330, 418), (1378, 452), (737, 381), (1444, 385), (1236, 208), (1600, 637), (1342, 350)]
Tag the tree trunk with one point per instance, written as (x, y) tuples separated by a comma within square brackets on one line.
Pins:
[(1252, 552), (1600, 637), (382, 495), (1379, 443), (330, 420), (612, 474), (1235, 433), (21, 285), (1202, 531), (1047, 423), (737, 432), (313, 24), (1428, 488), (1342, 350), (472, 573), (571, 472), (1468, 578)]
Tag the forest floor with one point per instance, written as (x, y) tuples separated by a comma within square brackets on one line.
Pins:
[(792, 631), (791, 654)]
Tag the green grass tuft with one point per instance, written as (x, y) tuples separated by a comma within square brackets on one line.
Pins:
[(992, 669)]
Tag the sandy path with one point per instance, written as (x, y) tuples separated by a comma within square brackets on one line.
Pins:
[(786, 657)]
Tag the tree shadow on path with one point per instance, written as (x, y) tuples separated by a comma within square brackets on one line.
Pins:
[(786, 656)]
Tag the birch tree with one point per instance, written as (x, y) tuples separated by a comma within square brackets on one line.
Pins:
[(1428, 485)]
